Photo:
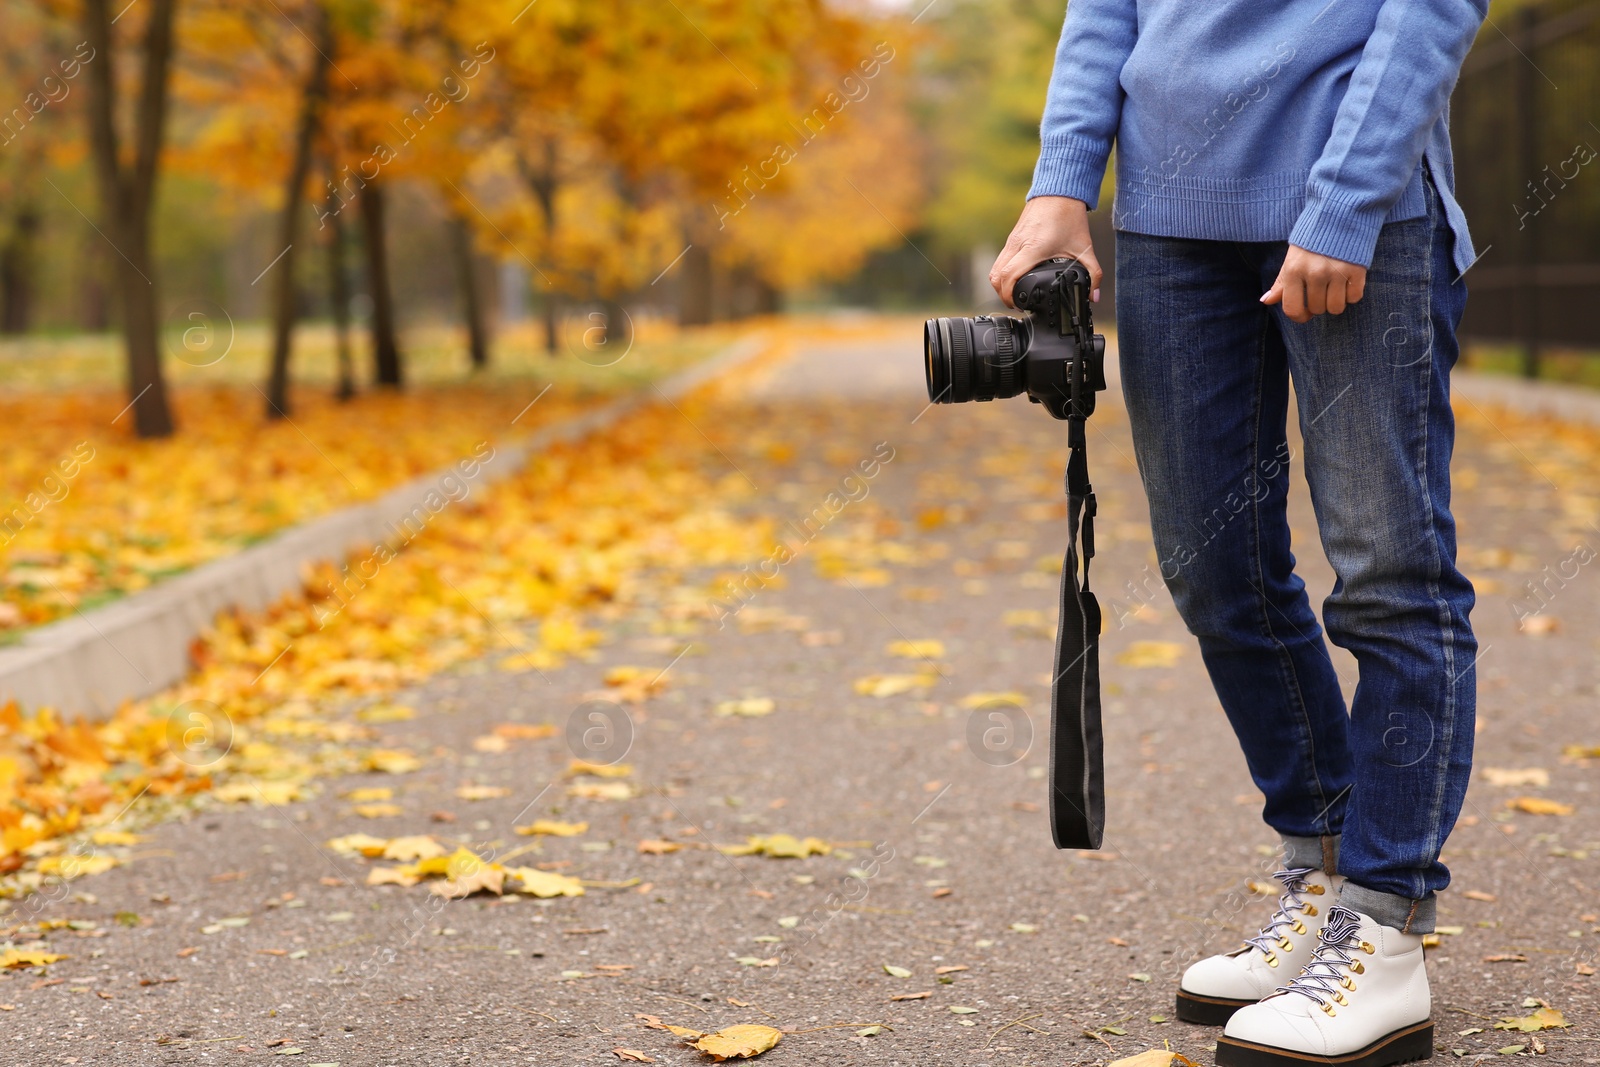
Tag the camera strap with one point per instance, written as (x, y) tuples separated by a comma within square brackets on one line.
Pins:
[(1077, 772)]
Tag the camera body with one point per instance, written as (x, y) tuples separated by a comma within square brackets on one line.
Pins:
[(1051, 352)]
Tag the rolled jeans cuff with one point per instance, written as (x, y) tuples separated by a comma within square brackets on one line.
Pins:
[(1318, 853), (1391, 909)]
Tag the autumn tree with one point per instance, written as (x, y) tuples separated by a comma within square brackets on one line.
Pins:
[(127, 183)]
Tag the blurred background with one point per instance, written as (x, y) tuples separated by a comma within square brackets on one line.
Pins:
[(270, 258), (344, 190)]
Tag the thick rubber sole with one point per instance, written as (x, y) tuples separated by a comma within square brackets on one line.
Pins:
[(1207, 1011), (1403, 1046)]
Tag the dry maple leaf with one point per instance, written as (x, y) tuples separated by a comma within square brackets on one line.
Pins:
[(658, 848), (392, 876), (749, 707), (417, 847), (546, 883), (483, 876), (579, 767), (926, 649), (365, 845), (1539, 806), (631, 1055), (1146, 654), (16, 958), (553, 828), (1546, 1018), (738, 1042), (392, 761)]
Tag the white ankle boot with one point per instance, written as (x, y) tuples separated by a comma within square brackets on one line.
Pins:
[(1216, 987), (1362, 1001)]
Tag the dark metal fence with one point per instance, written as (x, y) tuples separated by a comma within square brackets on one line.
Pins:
[(1525, 121)]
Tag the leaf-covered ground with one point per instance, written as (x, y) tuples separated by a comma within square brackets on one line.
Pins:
[(728, 732)]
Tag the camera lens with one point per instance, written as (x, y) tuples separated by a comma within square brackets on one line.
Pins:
[(980, 358)]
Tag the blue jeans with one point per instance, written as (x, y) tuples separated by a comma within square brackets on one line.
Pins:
[(1206, 371)]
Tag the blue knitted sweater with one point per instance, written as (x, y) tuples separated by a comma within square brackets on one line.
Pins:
[(1259, 120)]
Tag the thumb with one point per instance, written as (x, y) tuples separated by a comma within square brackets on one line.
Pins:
[(1275, 294)]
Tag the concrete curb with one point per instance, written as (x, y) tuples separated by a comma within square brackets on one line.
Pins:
[(139, 645)]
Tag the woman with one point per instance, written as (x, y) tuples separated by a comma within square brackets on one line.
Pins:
[(1284, 212)]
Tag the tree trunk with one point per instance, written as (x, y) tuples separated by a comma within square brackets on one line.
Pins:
[(339, 298), (16, 271), (694, 288), (541, 181), (471, 299), (288, 224), (127, 193), (385, 345)]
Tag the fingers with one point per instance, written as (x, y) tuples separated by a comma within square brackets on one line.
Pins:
[(1316, 289), (1355, 284), (1275, 294), (1335, 298)]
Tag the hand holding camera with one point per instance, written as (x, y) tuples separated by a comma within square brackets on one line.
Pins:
[(1049, 226)]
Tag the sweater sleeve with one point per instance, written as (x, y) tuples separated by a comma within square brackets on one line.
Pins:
[(1397, 94), (1084, 104)]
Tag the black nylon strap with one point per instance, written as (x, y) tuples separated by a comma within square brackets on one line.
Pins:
[(1077, 772)]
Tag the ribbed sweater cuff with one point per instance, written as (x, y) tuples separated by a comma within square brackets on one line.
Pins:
[(1330, 226), (1069, 169)]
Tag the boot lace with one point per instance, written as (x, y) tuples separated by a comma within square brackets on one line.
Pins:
[(1327, 976), (1274, 937)]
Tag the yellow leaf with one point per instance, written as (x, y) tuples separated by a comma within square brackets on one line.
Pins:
[(369, 795), (391, 876), (750, 707), (778, 846), (471, 878), (601, 790), (1142, 654), (742, 1041), (491, 743), (1534, 776), (888, 685), (419, 847), (598, 770), (115, 837), (1010, 698), (70, 867), (927, 649), (482, 792), (377, 811), (392, 761), (1154, 1058), (524, 731), (386, 713), (281, 791), (1539, 806), (16, 958), (1543, 1019), (658, 848), (364, 844), (546, 883), (540, 659), (553, 828), (1539, 625)]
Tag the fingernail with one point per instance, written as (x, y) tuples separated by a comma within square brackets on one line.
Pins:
[(1265, 295), (1095, 296)]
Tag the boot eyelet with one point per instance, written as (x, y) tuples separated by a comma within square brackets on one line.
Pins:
[(1272, 961), (1339, 997), (1310, 910), (1327, 1009), (1366, 946), (1285, 944), (1298, 927), (1317, 890), (1358, 967)]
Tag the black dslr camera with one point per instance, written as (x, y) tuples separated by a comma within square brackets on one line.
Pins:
[(1052, 354)]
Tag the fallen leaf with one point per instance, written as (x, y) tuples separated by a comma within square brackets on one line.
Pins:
[(391, 876), (1155, 1057), (912, 996), (16, 958), (525, 731), (949, 970), (631, 1055), (778, 846), (115, 837), (69, 866), (750, 707), (580, 767), (477, 877), (1478, 894), (482, 792), (962, 1009), (1009, 698), (1539, 625), (364, 845), (381, 810), (1539, 806), (392, 761), (602, 790), (926, 649), (546, 883), (1506, 957), (418, 847), (1145, 654), (888, 685), (895, 972), (743, 1042), (658, 848), (553, 828), (1534, 776), (1543, 1019)]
